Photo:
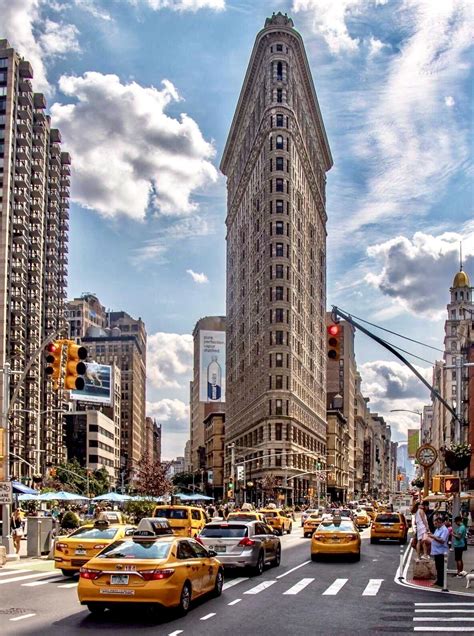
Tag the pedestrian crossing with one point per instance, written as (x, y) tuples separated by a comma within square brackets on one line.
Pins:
[(29, 578), (443, 617)]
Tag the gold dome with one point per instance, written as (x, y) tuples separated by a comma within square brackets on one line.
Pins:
[(461, 280)]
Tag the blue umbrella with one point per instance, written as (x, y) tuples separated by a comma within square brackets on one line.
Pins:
[(28, 497), (18, 487), (61, 495), (198, 498), (112, 496)]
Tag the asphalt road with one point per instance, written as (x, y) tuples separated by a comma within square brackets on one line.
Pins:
[(298, 598)]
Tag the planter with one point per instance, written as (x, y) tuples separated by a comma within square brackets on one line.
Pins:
[(454, 462)]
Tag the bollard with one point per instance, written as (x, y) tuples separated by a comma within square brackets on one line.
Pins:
[(445, 573), (38, 545), (400, 571)]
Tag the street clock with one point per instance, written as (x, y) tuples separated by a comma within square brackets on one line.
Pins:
[(426, 455)]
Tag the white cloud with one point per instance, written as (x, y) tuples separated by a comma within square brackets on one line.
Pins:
[(134, 156), (198, 278), (58, 38), (449, 100), (416, 273), (329, 19), (169, 360), (91, 7), (168, 410), (184, 5), (409, 144)]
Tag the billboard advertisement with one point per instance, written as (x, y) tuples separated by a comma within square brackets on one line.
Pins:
[(98, 388), (212, 371), (413, 441)]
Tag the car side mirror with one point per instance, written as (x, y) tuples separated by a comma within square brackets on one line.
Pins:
[(212, 553)]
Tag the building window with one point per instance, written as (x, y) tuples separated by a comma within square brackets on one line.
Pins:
[(279, 142), (279, 71), (279, 47), (279, 206), (278, 293), (279, 185), (278, 163), (279, 381), (278, 407), (279, 121), (279, 338), (278, 271), (279, 315), (279, 95), (278, 359), (278, 454), (279, 249), (279, 227)]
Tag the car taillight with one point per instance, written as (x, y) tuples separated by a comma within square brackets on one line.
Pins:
[(156, 575), (351, 537), (199, 540), (190, 532), (246, 541), (61, 546), (91, 575), (100, 546), (401, 527), (317, 537)]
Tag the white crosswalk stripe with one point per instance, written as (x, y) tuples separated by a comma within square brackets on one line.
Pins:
[(373, 586), (450, 617), (68, 585), (335, 587), (233, 582), (296, 589), (259, 588), (11, 572), (46, 582), (37, 575)]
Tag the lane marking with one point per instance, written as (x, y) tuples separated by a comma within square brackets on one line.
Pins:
[(36, 583), (296, 589), (68, 585), (259, 588), (432, 619), (372, 588), (452, 628), (176, 632), (12, 571), (443, 604), (334, 588), (237, 600), (233, 582), (28, 576), (293, 569), (449, 611), (205, 618), (20, 618)]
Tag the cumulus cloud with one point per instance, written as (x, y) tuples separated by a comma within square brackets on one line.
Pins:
[(200, 279), (134, 157), (329, 19), (58, 39), (168, 410), (449, 100), (416, 273), (169, 360), (184, 5)]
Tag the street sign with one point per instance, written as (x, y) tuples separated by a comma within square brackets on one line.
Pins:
[(240, 472), (6, 493)]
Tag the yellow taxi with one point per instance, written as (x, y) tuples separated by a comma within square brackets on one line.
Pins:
[(245, 515), (336, 536), (277, 520), (150, 568), (361, 518), (71, 552), (311, 523), (389, 525), (186, 521)]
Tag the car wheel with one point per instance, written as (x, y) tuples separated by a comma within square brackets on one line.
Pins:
[(185, 599), (219, 583), (290, 529), (372, 540), (305, 535), (276, 561), (68, 572), (96, 608), (357, 557), (258, 569), (314, 557)]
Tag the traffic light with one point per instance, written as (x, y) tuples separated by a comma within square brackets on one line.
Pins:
[(451, 485), (230, 490), (53, 472), (75, 367), (436, 483), (53, 361), (334, 333)]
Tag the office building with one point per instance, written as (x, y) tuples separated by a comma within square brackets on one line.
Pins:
[(153, 439), (34, 204), (275, 160), (84, 312)]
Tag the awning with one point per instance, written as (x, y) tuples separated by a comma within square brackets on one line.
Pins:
[(21, 489)]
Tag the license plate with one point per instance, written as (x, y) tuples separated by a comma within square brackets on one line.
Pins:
[(119, 579), (335, 540), (80, 552), (220, 548), (118, 592)]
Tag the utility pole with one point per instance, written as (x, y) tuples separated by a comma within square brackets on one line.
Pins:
[(7, 540)]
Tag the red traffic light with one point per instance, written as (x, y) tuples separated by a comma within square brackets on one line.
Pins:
[(51, 348), (333, 330)]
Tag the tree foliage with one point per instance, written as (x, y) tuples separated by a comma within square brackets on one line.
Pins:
[(72, 477), (151, 477)]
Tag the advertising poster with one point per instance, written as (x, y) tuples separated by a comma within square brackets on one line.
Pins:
[(98, 388), (212, 372), (413, 441)]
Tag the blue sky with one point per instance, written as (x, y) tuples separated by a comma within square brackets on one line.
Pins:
[(144, 92)]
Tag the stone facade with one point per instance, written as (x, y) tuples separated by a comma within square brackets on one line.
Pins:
[(275, 161)]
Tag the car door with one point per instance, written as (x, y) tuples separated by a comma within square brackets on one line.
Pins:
[(208, 569), (263, 535), (187, 556), (273, 540)]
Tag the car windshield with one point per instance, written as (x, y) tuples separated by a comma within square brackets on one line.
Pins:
[(225, 531), (243, 517), (136, 550), (171, 513), (270, 514), (345, 512), (315, 515), (336, 527), (387, 518), (94, 533)]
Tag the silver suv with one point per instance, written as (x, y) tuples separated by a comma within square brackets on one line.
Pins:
[(242, 544)]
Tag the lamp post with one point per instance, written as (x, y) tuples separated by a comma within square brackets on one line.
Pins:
[(426, 471)]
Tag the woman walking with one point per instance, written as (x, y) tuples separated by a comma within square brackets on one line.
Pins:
[(16, 528), (422, 528)]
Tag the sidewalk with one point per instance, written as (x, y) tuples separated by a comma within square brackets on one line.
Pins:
[(33, 563), (454, 584)]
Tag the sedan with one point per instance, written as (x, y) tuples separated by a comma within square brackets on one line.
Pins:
[(242, 544)]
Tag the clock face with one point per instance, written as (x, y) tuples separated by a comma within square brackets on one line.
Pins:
[(426, 455)]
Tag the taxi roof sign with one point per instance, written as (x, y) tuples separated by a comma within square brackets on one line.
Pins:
[(152, 527)]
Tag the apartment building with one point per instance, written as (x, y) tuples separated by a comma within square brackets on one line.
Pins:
[(34, 203), (275, 161)]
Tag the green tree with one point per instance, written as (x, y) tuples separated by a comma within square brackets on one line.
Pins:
[(151, 478), (72, 477)]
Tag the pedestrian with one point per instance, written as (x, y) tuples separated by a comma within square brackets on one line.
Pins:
[(448, 525), (16, 528), (459, 544), (421, 526), (439, 547)]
